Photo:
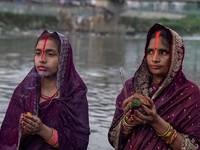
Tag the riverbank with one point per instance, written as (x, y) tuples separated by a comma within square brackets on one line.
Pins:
[(11, 23), (186, 26)]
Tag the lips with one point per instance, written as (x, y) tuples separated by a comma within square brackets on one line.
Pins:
[(42, 68), (155, 67)]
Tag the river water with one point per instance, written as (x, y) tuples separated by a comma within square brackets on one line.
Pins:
[(97, 59)]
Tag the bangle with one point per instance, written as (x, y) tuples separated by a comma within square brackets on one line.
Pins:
[(127, 132), (54, 142), (52, 137), (126, 124), (168, 134), (162, 135), (173, 137)]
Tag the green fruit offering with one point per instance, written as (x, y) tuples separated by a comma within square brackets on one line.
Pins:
[(135, 102)]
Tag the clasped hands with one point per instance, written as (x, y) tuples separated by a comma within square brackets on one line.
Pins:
[(31, 123), (139, 118)]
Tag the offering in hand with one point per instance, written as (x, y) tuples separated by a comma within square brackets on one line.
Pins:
[(137, 101), (28, 113)]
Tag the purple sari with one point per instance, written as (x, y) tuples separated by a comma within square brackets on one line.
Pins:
[(177, 101), (67, 113)]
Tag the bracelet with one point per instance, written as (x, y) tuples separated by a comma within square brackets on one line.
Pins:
[(162, 135), (168, 134), (52, 137), (173, 137), (56, 146), (127, 132), (126, 124), (55, 139)]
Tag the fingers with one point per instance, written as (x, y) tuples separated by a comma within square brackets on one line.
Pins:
[(151, 102), (146, 109), (150, 118), (29, 128), (127, 108), (29, 123), (126, 102), (32, 117), (129, 118), (140, 118)]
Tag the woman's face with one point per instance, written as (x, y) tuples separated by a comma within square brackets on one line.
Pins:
[(158, 57), (46, 58)]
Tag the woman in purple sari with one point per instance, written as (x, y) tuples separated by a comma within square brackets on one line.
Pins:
[(48, 109), (173, 120)]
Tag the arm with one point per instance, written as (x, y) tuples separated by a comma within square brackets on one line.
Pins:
[(128, 121), (160, 125), (33, 125)]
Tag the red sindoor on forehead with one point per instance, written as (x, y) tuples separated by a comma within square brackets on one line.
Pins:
[(156, 48), (45, 40)]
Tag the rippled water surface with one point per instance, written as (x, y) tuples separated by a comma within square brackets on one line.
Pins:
[(97, 60)]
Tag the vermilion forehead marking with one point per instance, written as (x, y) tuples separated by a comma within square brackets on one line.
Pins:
[(156, 48), (43, 50)]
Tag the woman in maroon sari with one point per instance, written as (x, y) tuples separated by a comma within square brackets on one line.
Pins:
[(173, 120), (48, 109)]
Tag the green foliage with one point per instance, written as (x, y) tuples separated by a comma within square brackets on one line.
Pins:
[(135, 103), (188, 25), (26, 21)]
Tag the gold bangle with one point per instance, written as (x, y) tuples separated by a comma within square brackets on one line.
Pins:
[(169, 126), (173, 137), (49, 141), (125, 123), (168, 134), (127, 132), (56, 145)]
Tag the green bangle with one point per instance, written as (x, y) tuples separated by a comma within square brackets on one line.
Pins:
[(169, 126), (127, 132), (125, 123)]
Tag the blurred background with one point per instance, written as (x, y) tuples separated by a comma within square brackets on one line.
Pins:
[(105, 35), (98, 16)]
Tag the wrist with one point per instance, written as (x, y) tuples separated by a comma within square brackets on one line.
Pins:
[(41, 131), (157, 122), (127, 127)]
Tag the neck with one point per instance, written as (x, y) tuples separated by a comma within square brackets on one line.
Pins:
[(48, 86), (156, 80)]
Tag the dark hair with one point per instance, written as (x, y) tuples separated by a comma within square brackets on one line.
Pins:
[(165, 33), (54, 36)]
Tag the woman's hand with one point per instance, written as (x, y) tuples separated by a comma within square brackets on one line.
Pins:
[(152, 116), (127, 111), (31, 124)]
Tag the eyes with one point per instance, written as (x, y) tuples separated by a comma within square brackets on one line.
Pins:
[(47, 53), (160, 51)]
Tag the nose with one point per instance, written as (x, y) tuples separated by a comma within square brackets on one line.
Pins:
[(43, 58), (155, 57)]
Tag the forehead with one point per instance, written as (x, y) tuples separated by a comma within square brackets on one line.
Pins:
[(161, 42), (50, 44)]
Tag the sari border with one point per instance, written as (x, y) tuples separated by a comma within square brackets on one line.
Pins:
[(188, 144), (115, 134)]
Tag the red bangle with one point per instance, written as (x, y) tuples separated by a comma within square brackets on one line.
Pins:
[(173, 137)]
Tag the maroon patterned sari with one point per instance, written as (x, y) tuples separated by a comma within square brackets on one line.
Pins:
[(67, 113), (177, 101)]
